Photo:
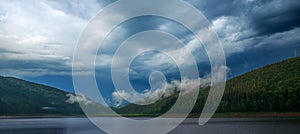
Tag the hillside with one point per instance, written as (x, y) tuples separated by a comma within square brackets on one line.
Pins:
[(19, 97), (275, 87)]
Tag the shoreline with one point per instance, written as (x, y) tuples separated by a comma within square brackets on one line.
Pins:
[(256, 114), (216, 115)]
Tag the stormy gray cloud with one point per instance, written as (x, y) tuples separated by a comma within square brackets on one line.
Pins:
[(263, 16), (38, 37), (257, 25), (275, 16)]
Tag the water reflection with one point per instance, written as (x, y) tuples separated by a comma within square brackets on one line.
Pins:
[(215, 126), (34, 131)]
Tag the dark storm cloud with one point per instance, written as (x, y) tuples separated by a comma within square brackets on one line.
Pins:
[(254, 33), (275, 16), (264, 31), (256, 21), (213, 9), (10, 65), (263, 16)]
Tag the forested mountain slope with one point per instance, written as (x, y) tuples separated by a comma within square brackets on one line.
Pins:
[(275, 87), (19, 97)]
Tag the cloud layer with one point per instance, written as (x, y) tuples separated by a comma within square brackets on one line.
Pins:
[(37, 38), (183, 86)]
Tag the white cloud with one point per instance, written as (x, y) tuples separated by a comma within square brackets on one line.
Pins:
[(231, 31), (78, 99), (185, 86), (85, 9), (40, 31), (36, 32)]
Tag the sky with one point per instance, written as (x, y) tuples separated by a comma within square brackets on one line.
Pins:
[(38, 38)]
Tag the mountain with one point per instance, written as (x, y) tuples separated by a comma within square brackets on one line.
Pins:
[(275, 87), (19, 97)]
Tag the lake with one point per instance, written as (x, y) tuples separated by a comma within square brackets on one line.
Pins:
[(189, 126)]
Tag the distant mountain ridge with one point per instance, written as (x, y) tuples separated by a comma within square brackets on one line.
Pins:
[(20, 97), (275, 87)]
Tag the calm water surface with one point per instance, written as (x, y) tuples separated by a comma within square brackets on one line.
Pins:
[(190, 126)]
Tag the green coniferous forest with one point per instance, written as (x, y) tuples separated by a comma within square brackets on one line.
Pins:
[(19, 97), (275, 87)]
